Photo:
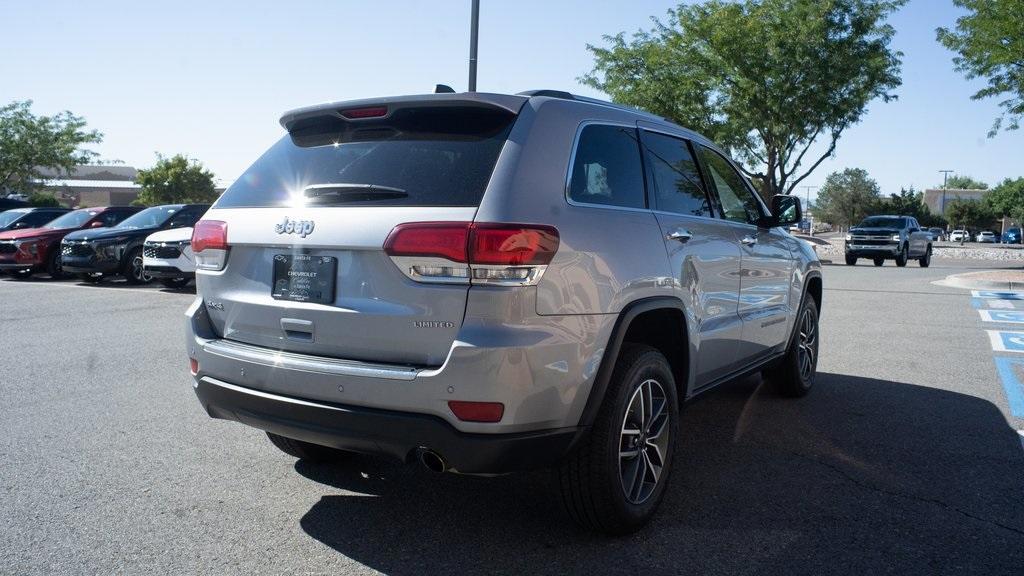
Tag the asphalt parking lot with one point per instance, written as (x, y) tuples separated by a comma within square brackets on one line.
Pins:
[(904, 459)]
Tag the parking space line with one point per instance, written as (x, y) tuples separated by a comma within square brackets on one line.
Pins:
[(1002, 316), (997, 295), (1004, 304), (1011, 383), (1003, 341)]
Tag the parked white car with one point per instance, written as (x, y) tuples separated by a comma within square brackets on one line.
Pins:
[(959, 236), (986, 236), (167, 256)]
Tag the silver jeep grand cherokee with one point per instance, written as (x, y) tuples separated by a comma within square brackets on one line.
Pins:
[(488, 283)]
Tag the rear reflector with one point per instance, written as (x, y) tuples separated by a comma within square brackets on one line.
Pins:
[(368, 112), (477, 411), (193, 366), (210, 234)]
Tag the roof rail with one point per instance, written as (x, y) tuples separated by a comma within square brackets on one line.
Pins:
[(569, 96)]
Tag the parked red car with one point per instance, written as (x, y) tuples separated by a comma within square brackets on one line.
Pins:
[(29, 250)]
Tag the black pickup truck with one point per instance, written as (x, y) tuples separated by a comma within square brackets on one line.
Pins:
[(882, 238)]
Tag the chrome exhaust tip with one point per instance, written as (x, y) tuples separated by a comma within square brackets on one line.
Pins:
[(432, 460)]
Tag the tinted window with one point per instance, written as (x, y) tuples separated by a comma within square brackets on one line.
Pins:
[(607, 169), (150, 217), (738, 202), (72, 219), (36, 219), (882, 222), (186, 218), (415, 157), (677, 185)]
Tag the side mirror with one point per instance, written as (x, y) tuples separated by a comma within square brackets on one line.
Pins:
[(785, 211)]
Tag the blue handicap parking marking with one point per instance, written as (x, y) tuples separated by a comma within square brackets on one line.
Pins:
[(1008, 373), (997, 295), (976, 302), (1003, 341), (1005, 316)]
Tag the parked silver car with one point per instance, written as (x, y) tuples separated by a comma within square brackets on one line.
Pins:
[(488, 283)]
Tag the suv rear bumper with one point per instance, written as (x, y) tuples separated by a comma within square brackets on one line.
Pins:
[(384, 432)]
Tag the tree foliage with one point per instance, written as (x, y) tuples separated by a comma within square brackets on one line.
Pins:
[(909, 202), (44, 199), (847, 197), (989, 42), (175, 180), (1007, 199), (765, 78), (964, 182), (973, 214), (29, 142)]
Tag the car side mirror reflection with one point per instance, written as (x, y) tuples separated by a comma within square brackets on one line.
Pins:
[(96, 224), (785, 211)]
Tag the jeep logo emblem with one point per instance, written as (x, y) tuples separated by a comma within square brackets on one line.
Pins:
[(288, 226)]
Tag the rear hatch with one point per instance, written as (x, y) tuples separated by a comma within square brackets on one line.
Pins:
[(306, 270)]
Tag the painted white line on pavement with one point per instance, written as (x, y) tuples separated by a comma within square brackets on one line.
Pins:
[(997, 295), (1003, 341), (1003, 304), (1007, 317)]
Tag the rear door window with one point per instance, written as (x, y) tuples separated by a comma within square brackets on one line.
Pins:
[(606, 168), (415, 157), (677, 183)]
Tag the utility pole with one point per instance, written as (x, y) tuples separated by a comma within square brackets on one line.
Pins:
[(474, 25), (945, 176)]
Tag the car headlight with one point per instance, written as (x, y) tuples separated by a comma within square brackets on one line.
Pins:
[(895, 237), (849, 237), (29, 247)]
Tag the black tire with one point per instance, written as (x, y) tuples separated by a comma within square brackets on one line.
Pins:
[(902, 257), (133, 271), (926, 260), (593, 478), (91, 278), (306, 450), (792, 376), (21, 274), (879, 261), (175, 283), (54, 266), (851, 260)]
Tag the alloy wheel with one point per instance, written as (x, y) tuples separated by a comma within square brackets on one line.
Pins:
[(139, 271), (807, 346), (644, 441)]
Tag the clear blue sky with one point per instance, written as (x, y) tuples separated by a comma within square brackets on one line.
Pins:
[(210, 79)]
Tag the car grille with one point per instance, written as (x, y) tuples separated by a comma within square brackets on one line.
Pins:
[(164, 252), (8, 248), (871, 240), (82, 249)]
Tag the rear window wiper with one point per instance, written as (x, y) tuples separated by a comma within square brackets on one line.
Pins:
[(352, 192)]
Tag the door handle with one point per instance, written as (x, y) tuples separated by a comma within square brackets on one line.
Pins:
[(749, 240), (680, 235)]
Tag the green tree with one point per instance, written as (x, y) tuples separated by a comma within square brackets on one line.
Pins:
[(43, 199), (964, 182), (1007, 199), (989, 42), (765, 78), (29, 143), (847, 197), (175, 180), (973, 214)]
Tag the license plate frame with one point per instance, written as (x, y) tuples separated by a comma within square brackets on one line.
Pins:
[(304, 278)]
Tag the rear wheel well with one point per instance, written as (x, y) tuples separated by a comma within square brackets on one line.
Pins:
[(665, 330)]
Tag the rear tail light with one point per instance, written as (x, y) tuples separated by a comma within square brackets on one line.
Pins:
[(210, 244), (477, 411), (464, 252)]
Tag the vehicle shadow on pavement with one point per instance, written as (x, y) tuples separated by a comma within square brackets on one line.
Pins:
[(862, 476)]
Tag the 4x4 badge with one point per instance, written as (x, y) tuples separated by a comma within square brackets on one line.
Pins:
[(288, 226)]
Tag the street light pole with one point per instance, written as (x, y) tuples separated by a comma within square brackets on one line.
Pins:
[(474, 25), (945, 176)]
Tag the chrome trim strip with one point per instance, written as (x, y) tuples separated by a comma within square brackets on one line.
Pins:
[(306, 363)]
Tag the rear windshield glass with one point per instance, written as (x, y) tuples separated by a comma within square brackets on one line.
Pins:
[(417, 157)]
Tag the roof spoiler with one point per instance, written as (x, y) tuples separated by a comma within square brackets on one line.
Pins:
[(353, 110)]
